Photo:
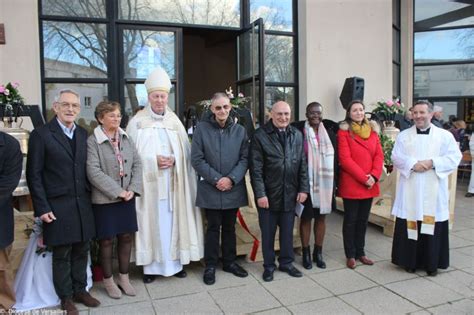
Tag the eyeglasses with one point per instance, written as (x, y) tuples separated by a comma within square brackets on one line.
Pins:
[(69, 105), (218, 107)]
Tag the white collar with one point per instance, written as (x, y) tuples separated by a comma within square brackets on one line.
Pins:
[(101, 137)]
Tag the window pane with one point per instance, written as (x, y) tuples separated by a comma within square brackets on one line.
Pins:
[(76, 8), (396, 12), (442, 13), (136, 97), (276, 14), (248, 53), (90, 96), (145, 50), (396, 45), (274, 94), (246, 89), (279, 58), (451, 80), (450, 108), (205, 12), (77, 50), (450, 45), (396, 80)]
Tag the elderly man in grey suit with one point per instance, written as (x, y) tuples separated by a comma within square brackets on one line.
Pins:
[(56, 175), (219, 155)]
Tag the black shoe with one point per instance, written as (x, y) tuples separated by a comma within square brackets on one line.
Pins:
[(236, 270), (410, 270), (181, 274), (469, 195), (209, 277), (148, 278), (307, 264), (318, 257), (268, 275), (292, 271), (432, 273)]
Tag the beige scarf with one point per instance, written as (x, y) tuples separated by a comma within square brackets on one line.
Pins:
[(362, 130), (320, 167)]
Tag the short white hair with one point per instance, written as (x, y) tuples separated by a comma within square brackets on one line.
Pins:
[(437, 109), (61, 92)]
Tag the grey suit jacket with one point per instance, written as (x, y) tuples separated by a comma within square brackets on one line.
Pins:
[(103, 168)]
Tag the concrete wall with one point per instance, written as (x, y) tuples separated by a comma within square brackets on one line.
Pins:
[(20, 56), (340, 39)]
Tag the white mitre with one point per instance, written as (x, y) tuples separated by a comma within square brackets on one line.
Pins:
[(158, 80)]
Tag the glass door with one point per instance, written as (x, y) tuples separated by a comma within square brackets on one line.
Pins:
[(142, 49), (250, 68)]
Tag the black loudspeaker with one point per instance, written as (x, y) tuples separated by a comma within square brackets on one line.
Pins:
[(353, 90)]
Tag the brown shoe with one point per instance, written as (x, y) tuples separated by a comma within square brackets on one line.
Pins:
[(86, 299), (68, 306), (366, 261), (351, 263)]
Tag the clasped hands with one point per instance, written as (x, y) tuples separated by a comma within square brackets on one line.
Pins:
[(423, 166), (126, 195), (370, 181), (165, 162), (224, 184), (262, 202)]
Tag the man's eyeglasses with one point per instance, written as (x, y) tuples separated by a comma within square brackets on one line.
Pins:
[(69, 105), (218, 107)]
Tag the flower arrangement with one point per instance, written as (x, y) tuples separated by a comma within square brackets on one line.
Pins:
[(387, 109), (10, 100), (240, 101), (9, 94)]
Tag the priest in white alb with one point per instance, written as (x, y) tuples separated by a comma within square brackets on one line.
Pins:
[(424, 155), (170, 229)]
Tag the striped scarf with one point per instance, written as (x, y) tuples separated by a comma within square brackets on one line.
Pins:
[(320, 167)]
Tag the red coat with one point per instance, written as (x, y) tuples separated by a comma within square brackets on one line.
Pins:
[(357, 158)]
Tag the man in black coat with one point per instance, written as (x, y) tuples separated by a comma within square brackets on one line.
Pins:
[(10, 171), (219, 156), (56, 174), (279, 176)]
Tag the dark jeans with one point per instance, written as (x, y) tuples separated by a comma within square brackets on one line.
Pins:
[(217, 218), (356, 216), (70, 268), (269, 221)]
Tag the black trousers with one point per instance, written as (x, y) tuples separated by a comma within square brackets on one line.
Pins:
[(269, 221), (70, 268), (356, 216), (217, 218)]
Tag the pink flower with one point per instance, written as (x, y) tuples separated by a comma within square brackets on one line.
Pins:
[(2, 89), (241, 95), (389, 103), (398, 104), (6, 92), (15, 84)]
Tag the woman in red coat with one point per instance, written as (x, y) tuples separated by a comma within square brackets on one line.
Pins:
[(360, 159)]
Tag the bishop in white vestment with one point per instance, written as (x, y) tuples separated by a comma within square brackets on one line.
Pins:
[(424, 155), (170, 229)]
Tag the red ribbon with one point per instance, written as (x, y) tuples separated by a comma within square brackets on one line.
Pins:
[(256, 242)]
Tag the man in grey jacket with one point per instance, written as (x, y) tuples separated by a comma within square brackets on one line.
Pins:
[(219, 156)]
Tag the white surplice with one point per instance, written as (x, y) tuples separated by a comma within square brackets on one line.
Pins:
[(444, 163)]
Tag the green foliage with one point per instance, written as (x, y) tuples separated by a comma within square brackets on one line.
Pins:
[(387, 147)]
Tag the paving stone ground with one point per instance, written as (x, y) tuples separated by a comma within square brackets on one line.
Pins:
[(379, 289)]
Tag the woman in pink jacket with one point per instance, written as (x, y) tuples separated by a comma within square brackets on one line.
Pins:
[(361, 160)]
